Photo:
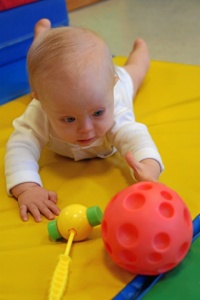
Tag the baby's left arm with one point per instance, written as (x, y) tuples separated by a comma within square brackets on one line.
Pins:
[(135, 144), (145, 170)]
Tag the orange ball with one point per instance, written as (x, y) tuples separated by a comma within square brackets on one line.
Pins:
[(147, 228)]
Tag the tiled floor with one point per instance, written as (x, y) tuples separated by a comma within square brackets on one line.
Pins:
[(170, 27)]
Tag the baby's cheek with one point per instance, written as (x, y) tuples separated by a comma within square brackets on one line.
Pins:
[(65, 133), (101, 131)]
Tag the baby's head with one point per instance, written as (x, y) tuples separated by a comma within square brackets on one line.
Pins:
[(72, 74)]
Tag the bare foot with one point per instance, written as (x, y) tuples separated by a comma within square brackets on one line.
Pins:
[(138, 63), (139, 54), (41, 26)]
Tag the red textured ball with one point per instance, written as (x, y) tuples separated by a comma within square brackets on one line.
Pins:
[(147, 228)]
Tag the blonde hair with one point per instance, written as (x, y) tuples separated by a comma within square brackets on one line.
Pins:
[(72, 48)]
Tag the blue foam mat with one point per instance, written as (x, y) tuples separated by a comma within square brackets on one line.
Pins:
[(18, 24)]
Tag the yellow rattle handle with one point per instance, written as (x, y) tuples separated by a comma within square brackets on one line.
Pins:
[(60, 276), (74, 223)]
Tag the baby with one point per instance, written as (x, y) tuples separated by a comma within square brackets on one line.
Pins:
[(81, 108)]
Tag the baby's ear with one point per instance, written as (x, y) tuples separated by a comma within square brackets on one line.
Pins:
[(116, 78), (34, 95)]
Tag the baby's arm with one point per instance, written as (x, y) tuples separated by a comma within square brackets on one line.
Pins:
[(145, 170), (135, 144), (132, 139), (21, 167), (35, 199)]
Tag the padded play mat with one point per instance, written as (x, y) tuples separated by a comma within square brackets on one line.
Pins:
[(169, 104)]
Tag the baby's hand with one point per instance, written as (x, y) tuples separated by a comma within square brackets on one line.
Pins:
[(36, 200), (145, 170)]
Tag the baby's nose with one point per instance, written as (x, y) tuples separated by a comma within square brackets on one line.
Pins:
[(86, 126)]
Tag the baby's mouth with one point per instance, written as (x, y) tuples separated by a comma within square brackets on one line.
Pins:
[(86, 141)]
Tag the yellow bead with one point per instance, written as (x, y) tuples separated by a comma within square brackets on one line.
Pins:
[(74, 217)]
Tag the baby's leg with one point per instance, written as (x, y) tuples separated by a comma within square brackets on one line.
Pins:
[(137, 63), (41, 26)]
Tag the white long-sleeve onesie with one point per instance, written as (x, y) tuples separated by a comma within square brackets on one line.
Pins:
[(33, 132)]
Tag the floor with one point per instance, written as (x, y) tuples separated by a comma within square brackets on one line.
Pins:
[(171, 28)]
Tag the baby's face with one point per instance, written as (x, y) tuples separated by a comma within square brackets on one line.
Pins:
[(80, 111)]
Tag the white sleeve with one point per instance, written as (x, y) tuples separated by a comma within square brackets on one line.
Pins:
[(126, 134), (24, 147), (129, 136), (134, 137)]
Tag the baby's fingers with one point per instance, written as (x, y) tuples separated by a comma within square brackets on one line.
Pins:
[(55, 210), (52, 196), (35, 211), (49, 210), (23, 213)]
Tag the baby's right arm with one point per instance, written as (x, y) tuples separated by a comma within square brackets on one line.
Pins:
[(21, 165), (36, 200)]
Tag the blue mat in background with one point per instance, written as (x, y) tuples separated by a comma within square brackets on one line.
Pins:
[(15, 39)]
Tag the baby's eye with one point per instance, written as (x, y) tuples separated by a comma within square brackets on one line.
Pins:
[(69, 119), (98, 113)]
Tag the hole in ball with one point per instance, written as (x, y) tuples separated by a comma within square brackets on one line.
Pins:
[(166, 210), (166, 195), (134, 201), (183, 251), (144, 186), (154, 257), (161, 241), (127, 234)]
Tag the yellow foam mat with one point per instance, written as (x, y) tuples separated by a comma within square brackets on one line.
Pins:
[(169, 103)]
